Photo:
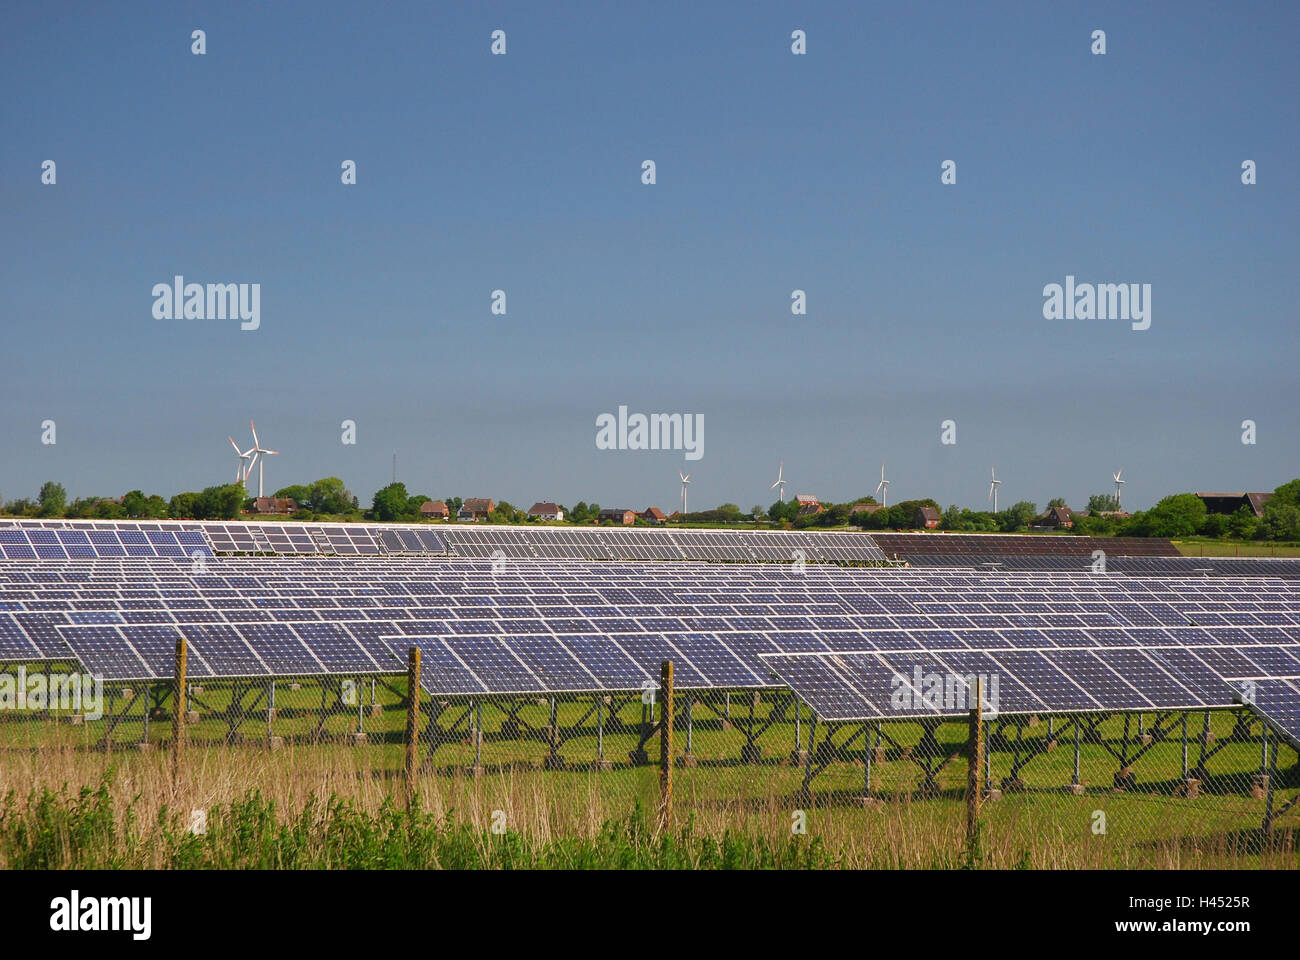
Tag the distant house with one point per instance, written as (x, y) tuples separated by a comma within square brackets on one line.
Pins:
[(434, 510), (867, 508), (273, 505), (927, 517), (1232, 502), (476, 508), (808, 505), (546, 510), (1057, 518), (653, 515), (613, 515)]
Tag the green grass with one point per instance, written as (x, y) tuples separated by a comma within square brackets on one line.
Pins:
[(1196, 547), (323, 804)]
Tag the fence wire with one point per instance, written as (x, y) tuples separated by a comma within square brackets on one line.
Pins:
[(1198, 789)]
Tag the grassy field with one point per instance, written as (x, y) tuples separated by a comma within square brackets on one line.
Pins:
[(325, 803), (1236, 548)]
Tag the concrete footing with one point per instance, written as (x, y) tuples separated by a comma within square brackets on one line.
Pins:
[(274, 743)]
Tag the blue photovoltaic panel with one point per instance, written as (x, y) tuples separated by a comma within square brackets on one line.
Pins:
[(280, 649), (614, 668), (224, 650), (337, 649), (553, 665), (1277, 701), (493, 663), (823, 688), (14, 642), (441, 671)]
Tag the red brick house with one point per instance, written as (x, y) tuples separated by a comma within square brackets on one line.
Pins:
[(476, 508)]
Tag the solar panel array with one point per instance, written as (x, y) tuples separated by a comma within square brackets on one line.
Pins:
[(532, 542), (908, 545), (614, 543), (1150, 566), (1071, 642), (143, 540)]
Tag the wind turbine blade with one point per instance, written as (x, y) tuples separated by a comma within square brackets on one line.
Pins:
[(774, 486), (235, 445), (256, 442)]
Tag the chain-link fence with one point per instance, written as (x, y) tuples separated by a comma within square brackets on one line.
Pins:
[(1182, 789)]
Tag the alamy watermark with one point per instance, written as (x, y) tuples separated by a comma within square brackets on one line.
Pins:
[(656, 431), (78, 693), (1102, 301), (179, 300), (946, 692)]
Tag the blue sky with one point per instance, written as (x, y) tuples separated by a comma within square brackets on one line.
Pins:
[(775, 172)]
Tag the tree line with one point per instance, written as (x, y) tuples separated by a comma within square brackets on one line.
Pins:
[(1179, 515)]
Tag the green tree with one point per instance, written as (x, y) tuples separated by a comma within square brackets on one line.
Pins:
[(1102, 503), (108, 510), (1288, 493), (219, 503), (183, 506), (1216, 525), (52, 498), (329, 495), (1179, 515), (391, 503), (1243, 523), (133, 503), (1018, 516), (1281, 520), (1056, 502), (298, 492)]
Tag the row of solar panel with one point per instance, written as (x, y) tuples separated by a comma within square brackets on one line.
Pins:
[(918, 683), (1144, 566), (519, 542), (146, 652), (906, 545), (34, 544)]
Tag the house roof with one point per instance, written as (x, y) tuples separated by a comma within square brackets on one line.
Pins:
[(929, 513), (654, 513), (805, 498), (866, 507), (477, 505), (1059, 514), (615, 511), (544, 507), (433, 506)]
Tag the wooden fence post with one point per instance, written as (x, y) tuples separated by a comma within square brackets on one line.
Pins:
[(412, 719), (666, 745), (178, 714), (975, 774)]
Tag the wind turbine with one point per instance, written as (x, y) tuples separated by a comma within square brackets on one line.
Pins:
[(1118, 484), (255, 450), (993, 487), (241, 473), (883, 485), (779, 486), (686, 478)]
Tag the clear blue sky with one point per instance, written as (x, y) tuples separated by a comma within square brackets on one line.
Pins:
[(775, 172)]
